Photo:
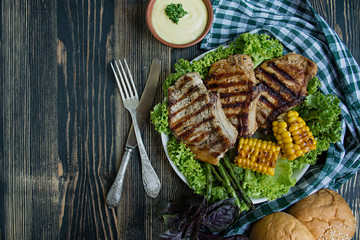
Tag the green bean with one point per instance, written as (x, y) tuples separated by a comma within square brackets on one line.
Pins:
[(209, 181), (232, 174), (225, 181)]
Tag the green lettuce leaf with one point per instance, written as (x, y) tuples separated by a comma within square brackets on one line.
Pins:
[(159, 117), (259, 47), (259, 185), (184, 159)]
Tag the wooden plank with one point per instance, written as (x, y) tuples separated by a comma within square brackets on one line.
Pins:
[(86, 118), (28, 129)]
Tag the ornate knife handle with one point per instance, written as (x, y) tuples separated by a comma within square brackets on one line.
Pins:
[(114, 194), (151, 181)]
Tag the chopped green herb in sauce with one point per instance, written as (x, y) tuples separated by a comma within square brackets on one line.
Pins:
[(175, 12)]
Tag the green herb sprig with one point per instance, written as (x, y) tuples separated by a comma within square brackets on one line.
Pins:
[(175, 12)]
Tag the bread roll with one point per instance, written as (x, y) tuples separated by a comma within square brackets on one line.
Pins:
[(326, 214), (279, 226)]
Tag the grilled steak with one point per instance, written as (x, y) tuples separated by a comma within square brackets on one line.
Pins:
[(197, 119), (285, 81), (234, 79)]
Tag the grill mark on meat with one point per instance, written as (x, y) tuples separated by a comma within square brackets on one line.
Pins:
[(188, 93), (274, 79), (225, 84), (236, 93), (229, 115), (187, 117), (283, 73), (185, 81), (200, 137), (217, 76), (221, 139), (198, 99), (265, 101), (232, 105), (193, 127), (286, 106)]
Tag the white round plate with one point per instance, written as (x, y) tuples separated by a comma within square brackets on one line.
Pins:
[(297, 174)]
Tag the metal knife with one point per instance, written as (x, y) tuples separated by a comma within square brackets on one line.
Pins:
[(147, 97)]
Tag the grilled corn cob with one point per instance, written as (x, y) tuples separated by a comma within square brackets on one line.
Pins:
[(293, 136), (257, 155)]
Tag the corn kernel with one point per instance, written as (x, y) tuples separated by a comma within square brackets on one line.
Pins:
[(246, 148), (296, 147), (298, 152), (289, 146), (292, 114), (305, 149), (282, 125), (291, 157), (292, 128), (258, 144), (286, 134), (303, 144), (292, 119), (290, 151), (275, 129)]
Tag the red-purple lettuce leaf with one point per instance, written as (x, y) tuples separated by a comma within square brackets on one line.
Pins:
[(199, 221), (220, 215)]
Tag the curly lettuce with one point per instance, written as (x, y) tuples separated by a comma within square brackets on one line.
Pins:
[(159, 117), (184, 159), (321, 114), (259, 47)]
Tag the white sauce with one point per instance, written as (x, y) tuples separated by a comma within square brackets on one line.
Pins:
[(189, 27)]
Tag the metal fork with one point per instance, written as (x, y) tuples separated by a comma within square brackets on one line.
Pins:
[(130, 100)]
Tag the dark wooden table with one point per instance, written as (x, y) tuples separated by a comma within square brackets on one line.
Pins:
[(63, 126)]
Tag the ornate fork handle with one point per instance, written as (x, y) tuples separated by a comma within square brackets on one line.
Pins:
[(151, 181), (114, 194)]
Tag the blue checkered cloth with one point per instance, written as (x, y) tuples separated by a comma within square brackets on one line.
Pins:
[(302, 30)]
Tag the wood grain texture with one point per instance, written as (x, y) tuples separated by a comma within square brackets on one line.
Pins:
[(63, 127), (85, 118), (29, 181)]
